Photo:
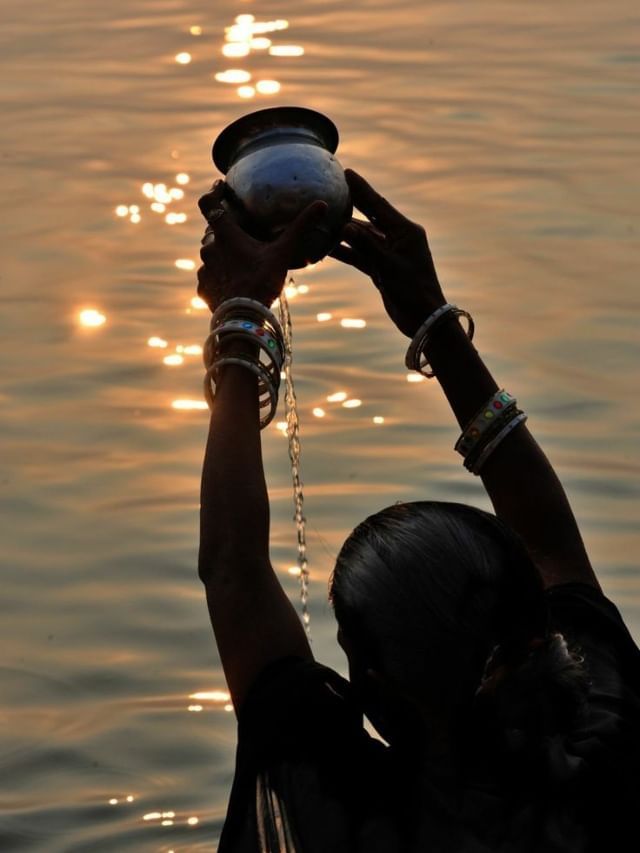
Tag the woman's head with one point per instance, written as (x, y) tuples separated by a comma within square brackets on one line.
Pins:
[(423, 592)]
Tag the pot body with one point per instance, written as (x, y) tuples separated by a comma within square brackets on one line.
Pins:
[(277, 161)]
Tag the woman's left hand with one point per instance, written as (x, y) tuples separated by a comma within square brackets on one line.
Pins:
[(235, 264)]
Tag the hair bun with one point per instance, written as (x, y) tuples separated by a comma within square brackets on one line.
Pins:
[(534, 693)]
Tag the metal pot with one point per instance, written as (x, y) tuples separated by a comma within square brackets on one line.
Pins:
[(276, 162)]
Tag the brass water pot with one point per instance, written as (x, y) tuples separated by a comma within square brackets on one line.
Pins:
[(276, 162)]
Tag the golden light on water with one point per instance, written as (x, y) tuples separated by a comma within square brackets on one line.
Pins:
[(268, 87), (260, 43), (173, 360), (352, 404), (183, 58), (246, 91), (91, 318), (286, 50), (236, 49), (193, 821), (323, 316), (304, 288), (135, 218), (195, 31), (228, 707), (319, 413), (416, 377), (281, 426), (158, 207), (147, 189), (211, 695), (182, 178), (175, 218), (185, 264), (192, 349), (353, 324), (198, 303), (378, 419), (160, 343), (122, 210), (295, 570), (189, 405), (233, 75), (338, 397), (195, 708), (176, 193), (113, 802)]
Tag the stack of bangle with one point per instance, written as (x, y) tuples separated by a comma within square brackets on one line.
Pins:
[(246, 319), (484, 432), (415, 358)]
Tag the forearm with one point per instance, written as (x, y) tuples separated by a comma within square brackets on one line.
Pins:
[(523, 487), (234, 510)]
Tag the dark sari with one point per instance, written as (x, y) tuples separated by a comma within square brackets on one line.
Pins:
[(310, 779)]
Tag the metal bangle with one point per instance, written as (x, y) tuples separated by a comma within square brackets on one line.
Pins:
[(488, 435), (236, 304), (495, 407), (265, 344), (488, 450), (267, 390), (415, 358)]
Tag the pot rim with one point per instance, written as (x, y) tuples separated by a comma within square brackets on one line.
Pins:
[(255, 122)]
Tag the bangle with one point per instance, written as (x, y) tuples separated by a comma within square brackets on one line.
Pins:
[(500, 402), (256, 336), (491, 446), (415, 358), (267, 391), (245, 308), (489, 434)]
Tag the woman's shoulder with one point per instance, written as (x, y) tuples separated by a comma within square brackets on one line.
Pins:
[(583, 609)]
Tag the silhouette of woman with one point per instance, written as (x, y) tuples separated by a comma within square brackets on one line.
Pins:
[(481, 647)]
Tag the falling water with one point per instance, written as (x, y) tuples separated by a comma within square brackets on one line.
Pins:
[(293, 432)]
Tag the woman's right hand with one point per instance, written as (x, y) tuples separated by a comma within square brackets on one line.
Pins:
[(394, 252)]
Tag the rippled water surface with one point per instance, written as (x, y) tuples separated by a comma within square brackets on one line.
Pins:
[(508, 129)]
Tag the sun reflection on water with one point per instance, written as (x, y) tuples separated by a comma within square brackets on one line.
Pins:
[(91, 318)]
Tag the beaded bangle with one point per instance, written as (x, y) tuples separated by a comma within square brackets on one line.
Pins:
[(488, 450), (415, 358), (244, 308), (245, 330), (497, 404), (489, 434)]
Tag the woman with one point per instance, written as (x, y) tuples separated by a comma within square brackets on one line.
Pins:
[(481, 647)]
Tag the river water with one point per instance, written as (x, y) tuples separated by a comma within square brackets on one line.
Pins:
[(509, 129)]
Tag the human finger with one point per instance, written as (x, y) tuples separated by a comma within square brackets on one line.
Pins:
[(209, 201), (361, 239), (223, 230), (350, 256), (372, 204), (204, 283), (369, 226)]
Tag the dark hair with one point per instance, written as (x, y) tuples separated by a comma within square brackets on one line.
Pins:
[(445, 597)]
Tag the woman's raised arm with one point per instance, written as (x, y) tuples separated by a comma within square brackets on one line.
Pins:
[(252, 618), (524, 489)]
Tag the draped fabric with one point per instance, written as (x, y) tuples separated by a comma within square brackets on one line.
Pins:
[(310, 779)]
